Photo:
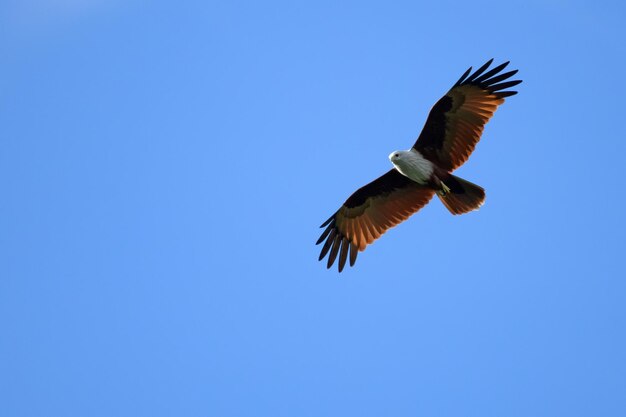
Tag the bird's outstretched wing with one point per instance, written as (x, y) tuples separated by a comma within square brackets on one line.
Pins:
[(456, 121), (368, 213)]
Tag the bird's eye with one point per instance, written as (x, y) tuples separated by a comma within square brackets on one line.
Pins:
[(397, 155)]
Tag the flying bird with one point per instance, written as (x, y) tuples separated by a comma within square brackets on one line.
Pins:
[(452, 130)]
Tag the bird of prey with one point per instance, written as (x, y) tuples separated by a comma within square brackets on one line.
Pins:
[(452, 130)]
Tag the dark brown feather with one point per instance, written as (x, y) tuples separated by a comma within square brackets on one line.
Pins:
[(502, 86), (343, 255), (465, 74), (329, 241), (354, 251), (492, 72), (502, 77), (324, 234), (479, 71), (334, 250)]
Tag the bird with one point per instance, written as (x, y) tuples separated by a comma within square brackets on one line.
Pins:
[(453, 128)]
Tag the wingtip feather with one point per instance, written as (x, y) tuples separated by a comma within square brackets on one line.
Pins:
[(462, 79), (327, 221), (343, 255), (329, 240), (354, 251), (479, 71), (333, 251)]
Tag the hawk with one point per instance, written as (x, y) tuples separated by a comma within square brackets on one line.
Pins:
[(452, 130)]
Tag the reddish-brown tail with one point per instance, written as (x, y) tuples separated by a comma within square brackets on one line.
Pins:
[(464, 196)]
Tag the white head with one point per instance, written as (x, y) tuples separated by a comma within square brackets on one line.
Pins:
[(412, 164), (396, 156)]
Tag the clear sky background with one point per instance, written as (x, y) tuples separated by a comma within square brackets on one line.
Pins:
[(164, 168)]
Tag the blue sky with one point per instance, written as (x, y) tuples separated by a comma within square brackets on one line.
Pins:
[(165, 167)]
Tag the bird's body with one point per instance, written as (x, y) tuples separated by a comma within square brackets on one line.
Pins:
[(452, 130), (413, 165)]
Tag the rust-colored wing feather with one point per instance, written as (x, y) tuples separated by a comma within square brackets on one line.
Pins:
[(456, 121), (368, 213)]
